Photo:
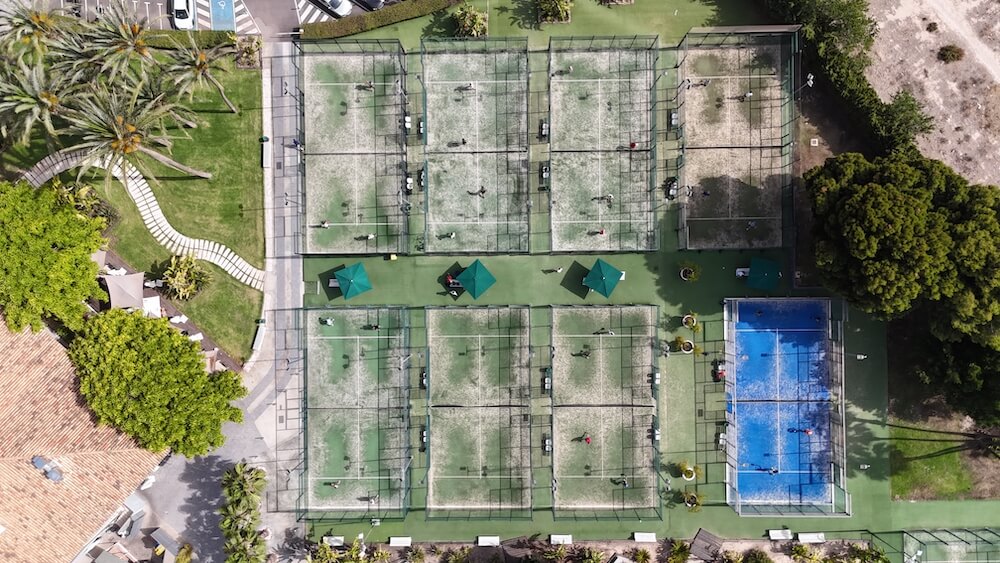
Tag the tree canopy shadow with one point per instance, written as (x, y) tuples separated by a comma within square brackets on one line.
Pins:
[(523, 15), (203, 476), (441, 24)]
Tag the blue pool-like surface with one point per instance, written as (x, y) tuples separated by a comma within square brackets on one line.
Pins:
[(782, 389)]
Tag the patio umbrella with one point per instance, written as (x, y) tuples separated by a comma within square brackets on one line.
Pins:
[(764, 274), (603, 278), (353, 280), (476, 279)]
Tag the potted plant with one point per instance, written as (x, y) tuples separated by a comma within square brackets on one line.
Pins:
[(693, 501), (690, 320), (689, 472), (684, 345), (690, 271)]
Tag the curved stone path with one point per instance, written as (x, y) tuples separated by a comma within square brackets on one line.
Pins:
[(138, 189)]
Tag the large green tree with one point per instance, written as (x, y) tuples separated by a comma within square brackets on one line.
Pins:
[(45, 266), (147, 379), (969, 376), (880, 240)]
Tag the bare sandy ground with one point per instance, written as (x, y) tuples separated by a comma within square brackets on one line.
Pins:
[(964, 96)]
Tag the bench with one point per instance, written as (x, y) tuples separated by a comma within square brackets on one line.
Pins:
[(812, 537), (778, 535), (485, 541), (400, 541), (333, 541), (258, 339), (644, 537), (334, 282), (561, 539)]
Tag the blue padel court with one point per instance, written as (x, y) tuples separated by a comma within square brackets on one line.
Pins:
[(780, 402)]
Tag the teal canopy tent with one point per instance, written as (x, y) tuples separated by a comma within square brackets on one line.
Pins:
[(602, 278), (476, 279), (353, 280), (764, 274)]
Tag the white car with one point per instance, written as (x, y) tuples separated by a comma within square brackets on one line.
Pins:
[(183, 14), (341, 8)]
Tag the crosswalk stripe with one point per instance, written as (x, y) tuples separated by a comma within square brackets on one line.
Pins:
[(245, 24), (204, 14), (309, 13)]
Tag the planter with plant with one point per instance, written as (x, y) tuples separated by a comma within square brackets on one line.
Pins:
[(693, 501), (690, 271), (682, 344), (689, 472), (690, 320)]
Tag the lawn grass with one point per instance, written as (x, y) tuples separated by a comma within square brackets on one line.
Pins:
[(225, 310), (644, 17), (940, 477), (228, 208)]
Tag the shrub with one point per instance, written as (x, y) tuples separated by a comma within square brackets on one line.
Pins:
[(755, 555), (932, 27), (641, 555), (416, 554), (170, 39), (680, 551), (185, 278), (803, 553), (372, 20), (470, 22), (732, 557), (950, 53), (555, 10)]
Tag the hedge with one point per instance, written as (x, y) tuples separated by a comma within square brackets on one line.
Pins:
[(389, 15), (169, 39)]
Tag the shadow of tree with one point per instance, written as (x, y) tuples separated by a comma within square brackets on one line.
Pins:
[(441, 24), (523, 14), (203, 476)]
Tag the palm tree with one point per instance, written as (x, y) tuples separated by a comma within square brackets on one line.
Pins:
[(30, 97), (115, 127), (191, 68), (158, 83), (119, 39), (243, 482), (29, 28)]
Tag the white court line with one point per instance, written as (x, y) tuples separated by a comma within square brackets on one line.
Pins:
[(600, 358), (569, 221), (616, 335), (777, 385), (476, 222), (333, 224), (734, 217), (396, 336), (348, 83), (600, 164), (480, 336), (342, 478), (757, 471), (737, 76), (479, 172), (479, 392), (599, 80), (431, 82), (779, 330)]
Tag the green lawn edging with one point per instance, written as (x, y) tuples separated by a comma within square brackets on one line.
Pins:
[(372, 20), (170, 39)]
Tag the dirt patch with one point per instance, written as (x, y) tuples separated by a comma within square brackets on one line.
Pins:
[(964, 96)]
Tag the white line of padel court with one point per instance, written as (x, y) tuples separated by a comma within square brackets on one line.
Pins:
[(599, 80), (343, 478), (389, 336), (436, 336), (605, 335), (458, 223), (592, 221), (335, 224), (602, 477), (473, 82), (732, 218), (362, 83), (780, 330), (489, 475), (732, 76)]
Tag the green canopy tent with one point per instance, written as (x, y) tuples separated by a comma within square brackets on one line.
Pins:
[(476, 279), (764, 274), (603, 278), (353, 280)]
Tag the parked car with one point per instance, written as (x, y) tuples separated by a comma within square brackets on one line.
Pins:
[(183, 14), (372, 4), (341, 8)]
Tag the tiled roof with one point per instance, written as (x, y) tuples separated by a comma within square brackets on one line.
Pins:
[(42, 414)]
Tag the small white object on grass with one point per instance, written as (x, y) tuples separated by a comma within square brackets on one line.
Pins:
[(862, 357)]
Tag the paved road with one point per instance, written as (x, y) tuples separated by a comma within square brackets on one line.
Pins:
[(274, 17)]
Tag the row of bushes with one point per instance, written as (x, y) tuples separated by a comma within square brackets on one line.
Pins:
[(372, 20), (168, 39), (838, 35)]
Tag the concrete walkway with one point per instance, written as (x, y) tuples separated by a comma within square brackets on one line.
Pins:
[(138, 189)]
